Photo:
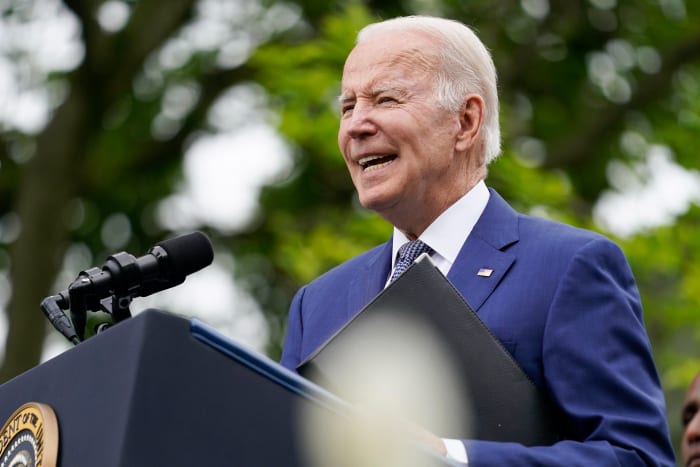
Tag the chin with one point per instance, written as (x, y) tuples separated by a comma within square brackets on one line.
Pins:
[(373, 202)]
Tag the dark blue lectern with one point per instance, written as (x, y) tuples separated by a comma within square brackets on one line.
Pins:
[(159, 390)]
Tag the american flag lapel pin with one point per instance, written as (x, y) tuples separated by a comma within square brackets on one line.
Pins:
[(485, 272)]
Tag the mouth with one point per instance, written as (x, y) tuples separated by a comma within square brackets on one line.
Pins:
[(376, 162), (694, 460)]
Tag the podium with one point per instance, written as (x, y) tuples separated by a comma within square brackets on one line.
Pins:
[(160, 390)]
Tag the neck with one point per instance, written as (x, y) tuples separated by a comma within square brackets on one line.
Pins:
[(412, 224)]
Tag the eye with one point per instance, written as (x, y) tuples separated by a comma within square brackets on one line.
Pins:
[(345, 108), (386, 99), (688, 414)]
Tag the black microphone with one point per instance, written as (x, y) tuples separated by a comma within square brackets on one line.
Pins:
[(165, 265), (124, 277)]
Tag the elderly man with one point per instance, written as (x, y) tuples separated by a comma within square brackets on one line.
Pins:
[(418, 126)]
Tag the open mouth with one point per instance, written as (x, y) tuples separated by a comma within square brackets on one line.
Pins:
[(376, 162)]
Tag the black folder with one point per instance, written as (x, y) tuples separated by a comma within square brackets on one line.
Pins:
[(505, 403)]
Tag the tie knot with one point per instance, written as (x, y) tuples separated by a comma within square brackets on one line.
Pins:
[(412, 250), (407, 255)]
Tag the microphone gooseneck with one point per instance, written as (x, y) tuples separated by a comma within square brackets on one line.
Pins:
[(51, 308)]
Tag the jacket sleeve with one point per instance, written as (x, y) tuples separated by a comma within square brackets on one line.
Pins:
[(291, 352), (598, 367)]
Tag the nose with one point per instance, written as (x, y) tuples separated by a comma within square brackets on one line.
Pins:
[(360, 124), (692, 430)]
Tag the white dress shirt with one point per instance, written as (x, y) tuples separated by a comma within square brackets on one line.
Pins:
[(450, 230)]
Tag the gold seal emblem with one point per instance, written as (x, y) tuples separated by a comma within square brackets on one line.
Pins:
[(29, 437)]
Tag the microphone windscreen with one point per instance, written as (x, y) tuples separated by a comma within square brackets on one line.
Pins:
[(188, 253)]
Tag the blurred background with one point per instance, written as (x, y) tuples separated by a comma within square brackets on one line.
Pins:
[(125, 122)]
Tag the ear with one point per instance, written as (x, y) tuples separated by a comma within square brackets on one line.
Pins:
[(471, 119)]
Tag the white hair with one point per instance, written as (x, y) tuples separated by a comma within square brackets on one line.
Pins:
[(465, 67)]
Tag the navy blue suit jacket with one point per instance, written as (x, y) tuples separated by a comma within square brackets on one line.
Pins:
[(564, 302)]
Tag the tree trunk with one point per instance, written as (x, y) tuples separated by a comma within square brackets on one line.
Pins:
[(48, 184)]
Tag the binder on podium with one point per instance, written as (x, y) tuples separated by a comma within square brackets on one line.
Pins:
[(505, 403), (158, 390)]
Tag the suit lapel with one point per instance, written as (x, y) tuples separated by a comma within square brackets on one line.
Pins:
[(369, 280), (485, 247), (485, 251)]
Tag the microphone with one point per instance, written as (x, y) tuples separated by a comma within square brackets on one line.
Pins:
[(165, 265), (124, 277)]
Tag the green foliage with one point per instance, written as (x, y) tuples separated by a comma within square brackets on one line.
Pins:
[(305, 255), (531, 187)]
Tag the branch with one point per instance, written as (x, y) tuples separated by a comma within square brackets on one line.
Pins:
[(113, 60), (151, 156), (152, 23), (212, 86), (574, 150)]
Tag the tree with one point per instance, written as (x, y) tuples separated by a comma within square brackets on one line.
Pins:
[(597, 102), (98, 154)]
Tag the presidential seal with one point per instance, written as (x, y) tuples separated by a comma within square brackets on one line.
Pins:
[(29, 437)]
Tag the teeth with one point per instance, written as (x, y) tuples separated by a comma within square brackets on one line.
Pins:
[(366, 160), (376, 161), (378, 166)]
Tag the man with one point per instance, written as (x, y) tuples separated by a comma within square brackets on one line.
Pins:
[(419, 124), (690, 417)]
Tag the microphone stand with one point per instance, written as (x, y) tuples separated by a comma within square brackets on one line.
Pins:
[(83, 295)]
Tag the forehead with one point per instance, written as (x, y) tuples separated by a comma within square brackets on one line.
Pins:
[(389, 58), (694, 390)]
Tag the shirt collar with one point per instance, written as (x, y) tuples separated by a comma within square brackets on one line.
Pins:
[(450, 230)]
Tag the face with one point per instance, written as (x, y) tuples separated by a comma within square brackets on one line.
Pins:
[(690, 443), (407, 156)]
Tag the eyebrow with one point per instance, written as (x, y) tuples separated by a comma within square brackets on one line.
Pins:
[(373, 93)]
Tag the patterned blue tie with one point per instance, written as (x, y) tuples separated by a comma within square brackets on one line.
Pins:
[(407, 255)]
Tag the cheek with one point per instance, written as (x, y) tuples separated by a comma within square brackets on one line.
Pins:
[(437, 133), (342, 145), (340, 139)]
